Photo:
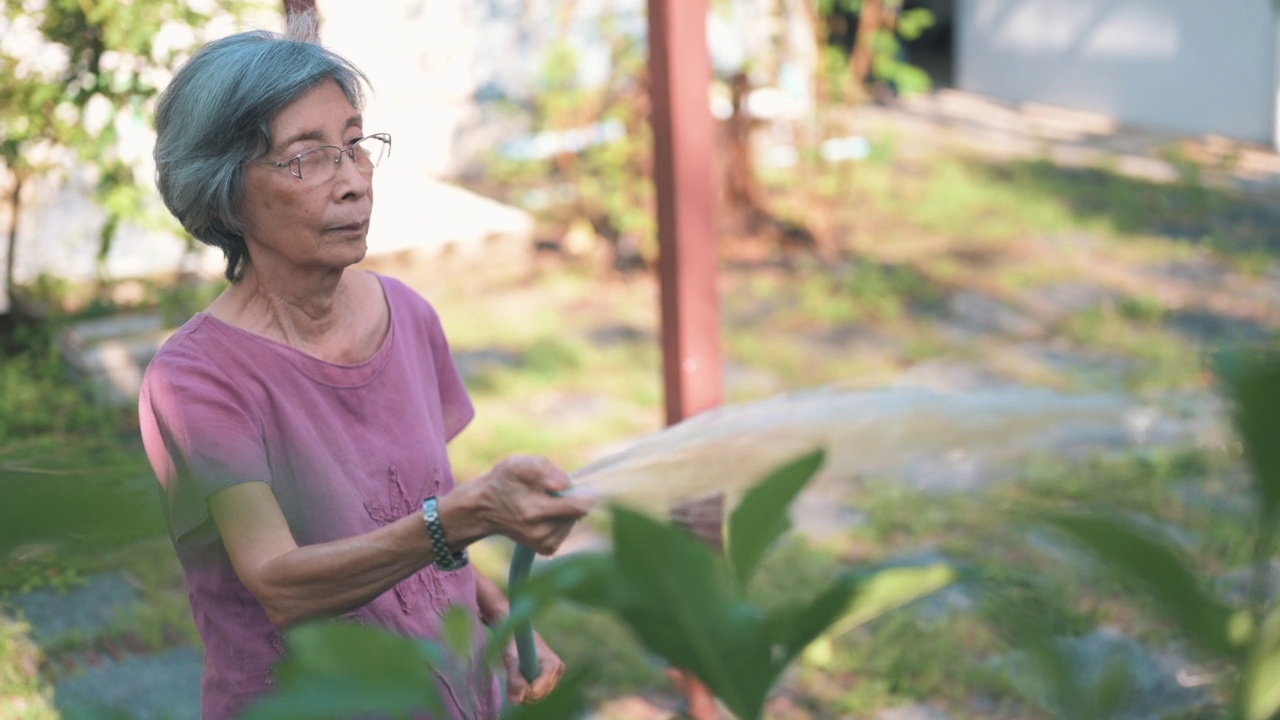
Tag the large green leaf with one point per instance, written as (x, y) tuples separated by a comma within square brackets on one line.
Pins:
[(793, 627), (337, 669), (1253, 380), (1048, 673), (676, 596), (457, 629), (851, 600), (325, 698), (763, 515), (1260, 683), (1131, 554), (882, 590)]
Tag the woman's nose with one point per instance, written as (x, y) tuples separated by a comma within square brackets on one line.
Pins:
[(350, 179)]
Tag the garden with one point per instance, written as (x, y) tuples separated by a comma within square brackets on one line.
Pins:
[(1111, 570)]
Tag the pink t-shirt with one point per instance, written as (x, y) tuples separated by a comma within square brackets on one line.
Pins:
[(344, 448)]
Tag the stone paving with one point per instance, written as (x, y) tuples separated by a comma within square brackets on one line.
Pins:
[(98, 676)]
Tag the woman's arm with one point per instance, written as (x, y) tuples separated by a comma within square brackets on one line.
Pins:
[(299, 583), (493, 604)]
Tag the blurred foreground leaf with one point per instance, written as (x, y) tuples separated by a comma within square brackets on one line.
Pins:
[(1252, 378), (856, 599), (687, 604), (762, 516), (1128, 552), (337, 670), (1260, 684)]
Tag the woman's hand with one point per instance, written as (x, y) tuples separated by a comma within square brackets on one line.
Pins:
[(519, 690), (514, 499)]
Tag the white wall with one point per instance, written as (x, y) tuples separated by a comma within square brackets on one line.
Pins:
[(1190, 66)]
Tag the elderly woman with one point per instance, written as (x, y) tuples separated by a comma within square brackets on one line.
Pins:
[(298, 426)]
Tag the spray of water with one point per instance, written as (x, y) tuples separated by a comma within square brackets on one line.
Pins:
[(725, 451), (728, 449)]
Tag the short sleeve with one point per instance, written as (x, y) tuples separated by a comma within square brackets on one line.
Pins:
[(455, 404), (201, 436)]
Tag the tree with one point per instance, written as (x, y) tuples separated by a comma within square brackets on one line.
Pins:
[(73, 73)]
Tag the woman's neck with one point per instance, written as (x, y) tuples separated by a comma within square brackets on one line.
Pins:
[(298, 308)]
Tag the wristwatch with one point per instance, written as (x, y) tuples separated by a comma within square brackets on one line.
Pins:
[(445, 558)]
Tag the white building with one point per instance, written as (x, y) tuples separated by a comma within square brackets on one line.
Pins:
[(1185, 66)]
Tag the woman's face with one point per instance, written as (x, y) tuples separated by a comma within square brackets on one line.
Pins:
[(316, 222)]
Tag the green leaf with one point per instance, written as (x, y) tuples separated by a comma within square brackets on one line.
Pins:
[(1260, 683), (763, 515), (1051, 676), (1253, 382), (320, 698), (913, 22), (457, 629), (336, 669), (794, 627), (881, 591), (1128, 551), (676, 597)]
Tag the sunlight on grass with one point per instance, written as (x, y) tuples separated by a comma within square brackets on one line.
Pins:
[(1160, 358), (23, 695)]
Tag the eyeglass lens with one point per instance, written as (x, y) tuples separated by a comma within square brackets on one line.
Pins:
[(322, 163)]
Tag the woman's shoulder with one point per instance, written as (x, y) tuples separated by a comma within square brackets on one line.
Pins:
[(404, 300), (189, 344), (198, 353)]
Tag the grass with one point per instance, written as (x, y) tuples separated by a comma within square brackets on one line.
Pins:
[(950, 657), (23, 693), (77, 499)]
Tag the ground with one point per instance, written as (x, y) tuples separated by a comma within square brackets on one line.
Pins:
[(1025, 250)]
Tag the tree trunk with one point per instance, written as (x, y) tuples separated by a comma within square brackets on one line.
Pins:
[(870, 21), (15, 206), (297, 7), (743, 195)]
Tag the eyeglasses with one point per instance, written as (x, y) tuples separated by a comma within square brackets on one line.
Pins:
[(320, 164)]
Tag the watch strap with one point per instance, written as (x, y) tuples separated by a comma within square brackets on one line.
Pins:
[(445, 558)]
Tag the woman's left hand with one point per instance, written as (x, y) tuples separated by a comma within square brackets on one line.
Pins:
[(520, 691)]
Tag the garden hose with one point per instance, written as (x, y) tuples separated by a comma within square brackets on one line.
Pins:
[(521, 563)]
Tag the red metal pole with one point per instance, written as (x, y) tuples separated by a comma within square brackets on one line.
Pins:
[(684, 141)]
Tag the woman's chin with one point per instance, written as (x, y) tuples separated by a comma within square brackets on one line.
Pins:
[(348, 252)]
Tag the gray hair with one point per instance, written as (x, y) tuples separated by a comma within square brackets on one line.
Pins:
[(212, 119)]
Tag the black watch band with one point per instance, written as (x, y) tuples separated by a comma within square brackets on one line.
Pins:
[(445, 558)]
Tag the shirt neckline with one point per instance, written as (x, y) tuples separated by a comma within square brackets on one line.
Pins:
[(323, 371)]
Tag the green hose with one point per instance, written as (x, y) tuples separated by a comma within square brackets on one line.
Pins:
[(521, 563)]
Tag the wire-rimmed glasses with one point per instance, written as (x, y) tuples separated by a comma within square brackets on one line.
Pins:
[(320, 164)]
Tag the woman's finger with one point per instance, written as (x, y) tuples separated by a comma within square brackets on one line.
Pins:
[(552, 671), (543, 686), (517, 687)]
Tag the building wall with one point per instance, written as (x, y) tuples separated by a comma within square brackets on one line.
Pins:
[(1186, 66)]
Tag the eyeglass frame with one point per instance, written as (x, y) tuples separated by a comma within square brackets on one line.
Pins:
[(349, 151)]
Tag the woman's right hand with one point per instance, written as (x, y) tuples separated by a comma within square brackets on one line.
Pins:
[(516, 500)]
